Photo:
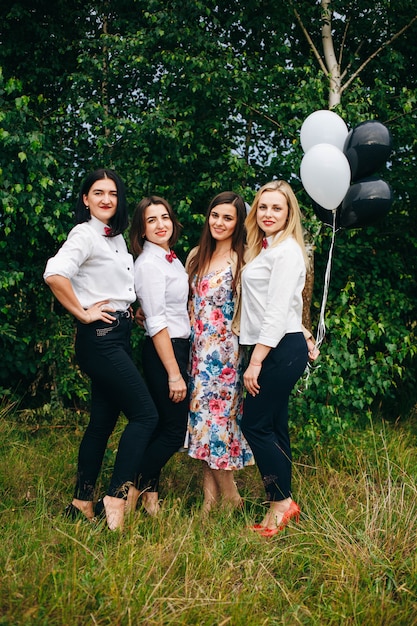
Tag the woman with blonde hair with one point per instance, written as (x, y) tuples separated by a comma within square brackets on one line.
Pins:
[(272, 285)]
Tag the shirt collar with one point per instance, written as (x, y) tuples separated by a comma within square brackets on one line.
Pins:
[(97, 225), (155, 249), (272, 238)]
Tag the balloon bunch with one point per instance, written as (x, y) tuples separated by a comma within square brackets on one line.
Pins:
[(337, 170), (369, 198), (337, 173)]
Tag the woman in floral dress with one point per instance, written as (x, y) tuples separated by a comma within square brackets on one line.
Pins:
[(216, 372)]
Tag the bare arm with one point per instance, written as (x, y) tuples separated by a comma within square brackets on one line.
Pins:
[(250, 377), (140, 317), (165, 351), (62, 289), (313, 351)]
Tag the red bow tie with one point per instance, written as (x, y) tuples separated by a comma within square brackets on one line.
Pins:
[(170, 256), (108, 230), (264, 242)]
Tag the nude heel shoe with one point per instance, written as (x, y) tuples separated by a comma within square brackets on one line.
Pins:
[(150, 502), (113, 514)]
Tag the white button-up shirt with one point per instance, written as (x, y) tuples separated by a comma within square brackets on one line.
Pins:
[(99, 267), (272, 287), (162, 290)]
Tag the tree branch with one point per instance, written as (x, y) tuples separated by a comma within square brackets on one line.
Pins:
[(310, 41), (374, 54), (342, 45), (266, 117), (349, 65)]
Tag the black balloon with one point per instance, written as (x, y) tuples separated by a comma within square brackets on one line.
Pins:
[(325, 215), (366, 201), (367, 148)]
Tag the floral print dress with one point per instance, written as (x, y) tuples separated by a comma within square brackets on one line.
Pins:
[(216, 377)]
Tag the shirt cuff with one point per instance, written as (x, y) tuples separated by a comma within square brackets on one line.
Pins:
[(155, 324)]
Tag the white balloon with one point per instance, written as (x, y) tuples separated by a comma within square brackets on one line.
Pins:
[(323, 127), (325, 174)]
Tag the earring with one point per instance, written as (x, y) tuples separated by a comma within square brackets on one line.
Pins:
[(87, 208)]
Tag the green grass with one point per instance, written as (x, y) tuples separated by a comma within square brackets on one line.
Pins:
[(351, 560)]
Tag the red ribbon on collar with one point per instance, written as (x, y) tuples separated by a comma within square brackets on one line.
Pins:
[(264, 242), (170, 256), (108, 230)]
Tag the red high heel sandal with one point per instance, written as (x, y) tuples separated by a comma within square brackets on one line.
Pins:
[(293, 512), (257, 527)]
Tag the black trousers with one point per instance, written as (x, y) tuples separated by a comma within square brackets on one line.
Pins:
[(173, 416), (104, 354), (265, 417)]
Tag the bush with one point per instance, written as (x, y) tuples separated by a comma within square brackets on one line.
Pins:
[(368, 359)]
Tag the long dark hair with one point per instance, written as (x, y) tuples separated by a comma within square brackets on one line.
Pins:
[(137, 229), (120, 220), (207, 245)]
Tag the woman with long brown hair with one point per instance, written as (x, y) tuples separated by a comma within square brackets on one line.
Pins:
[(161, 285), (216, 389)]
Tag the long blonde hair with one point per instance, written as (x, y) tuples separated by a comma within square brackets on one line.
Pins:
[(293, 227)]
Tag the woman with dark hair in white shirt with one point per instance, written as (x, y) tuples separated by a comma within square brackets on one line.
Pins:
[(272, 285), (216, 364), (161, 285), (92, 277)]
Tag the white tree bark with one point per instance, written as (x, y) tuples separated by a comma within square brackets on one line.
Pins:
[(331, 65)]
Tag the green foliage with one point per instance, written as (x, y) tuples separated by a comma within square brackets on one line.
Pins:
[(187, 102), (34, 214), (368, 361)]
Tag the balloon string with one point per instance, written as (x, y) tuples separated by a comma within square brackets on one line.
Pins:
[(321, 328)]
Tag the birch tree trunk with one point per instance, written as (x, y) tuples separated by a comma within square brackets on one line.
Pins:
[(332, 65)]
